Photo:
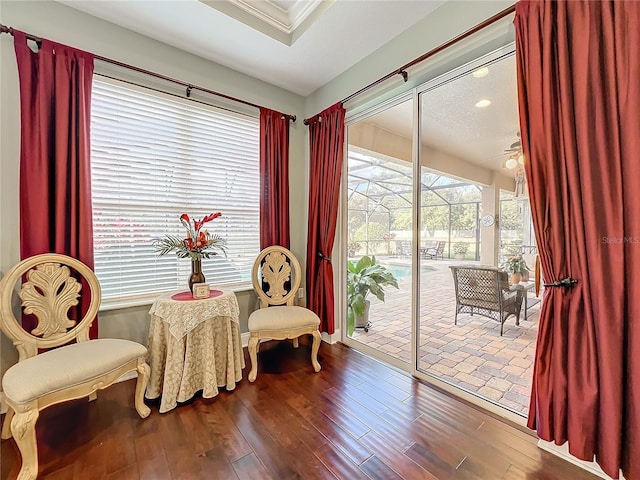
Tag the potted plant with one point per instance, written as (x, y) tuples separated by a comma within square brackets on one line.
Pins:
[(364, 277), (517, 267), (460, 250), (353, 247)]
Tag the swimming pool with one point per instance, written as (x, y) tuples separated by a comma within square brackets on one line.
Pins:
[(404, 271)]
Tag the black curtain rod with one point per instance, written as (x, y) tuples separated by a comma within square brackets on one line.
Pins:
[(189, 87), (402, 70)]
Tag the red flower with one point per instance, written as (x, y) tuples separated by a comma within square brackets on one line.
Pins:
[(188, 243), (184, 219), (197, 224), (202, 240)]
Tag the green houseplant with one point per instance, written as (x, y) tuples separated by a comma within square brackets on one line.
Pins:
[(364, 277), (460, 249), (517, 267)]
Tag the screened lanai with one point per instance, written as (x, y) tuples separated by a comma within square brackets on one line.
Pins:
[(380, 208)]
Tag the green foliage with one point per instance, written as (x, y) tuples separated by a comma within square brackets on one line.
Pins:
[(515, 264), (377, 231), (364, 277), (175, 243), (460, 248)]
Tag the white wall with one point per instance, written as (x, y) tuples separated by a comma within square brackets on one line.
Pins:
[(66, 25)]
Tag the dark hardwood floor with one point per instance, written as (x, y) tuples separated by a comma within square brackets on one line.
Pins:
[(356, 419)]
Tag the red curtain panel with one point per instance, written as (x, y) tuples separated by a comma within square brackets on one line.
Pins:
[(578, 73), (274, 179), (55, 173), (326, 146)]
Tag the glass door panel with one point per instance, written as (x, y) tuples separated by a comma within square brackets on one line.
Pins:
[(468, 140), (379, 226)]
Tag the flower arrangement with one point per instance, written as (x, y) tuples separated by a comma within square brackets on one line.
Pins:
[(198, 243), (515, 264)]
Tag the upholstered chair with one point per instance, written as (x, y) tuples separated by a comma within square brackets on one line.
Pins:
[(276, 279), (70, 371)]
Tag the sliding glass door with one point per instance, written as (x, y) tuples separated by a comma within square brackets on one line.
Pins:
[(426, 177)]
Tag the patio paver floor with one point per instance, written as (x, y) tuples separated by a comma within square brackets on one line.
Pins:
[(471, 355)]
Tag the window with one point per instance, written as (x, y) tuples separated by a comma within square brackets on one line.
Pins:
[(153, 158)]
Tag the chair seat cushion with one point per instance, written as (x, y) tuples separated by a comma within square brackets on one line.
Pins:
[(282, 318), (67, 366)]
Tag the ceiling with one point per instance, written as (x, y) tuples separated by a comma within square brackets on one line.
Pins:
[(299, 45), (451, 122)]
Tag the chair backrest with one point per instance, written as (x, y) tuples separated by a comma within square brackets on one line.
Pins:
[(440, 247), (428, 244), (480, 284), (276, 276), (49, 292)]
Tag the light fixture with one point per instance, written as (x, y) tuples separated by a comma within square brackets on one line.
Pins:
[(483, 103), (511, 163), (481, 72), (521, 159)]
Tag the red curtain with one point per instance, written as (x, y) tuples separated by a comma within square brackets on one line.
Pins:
[(55, 173), (274, 178), (579, 98), (326, 145)]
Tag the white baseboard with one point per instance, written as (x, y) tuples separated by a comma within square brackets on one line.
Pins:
[(331, 338), (562, 451)]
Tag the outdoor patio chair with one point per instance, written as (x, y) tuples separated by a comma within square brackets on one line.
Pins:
[(485, 291), (403, 248), (436, 251)]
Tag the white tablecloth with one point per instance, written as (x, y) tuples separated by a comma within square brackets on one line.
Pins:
[(193, 345)]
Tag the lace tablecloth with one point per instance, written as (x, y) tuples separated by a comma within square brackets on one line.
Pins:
[(183, 317), (193, 345)]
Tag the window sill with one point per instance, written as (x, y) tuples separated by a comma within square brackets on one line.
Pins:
[(148, 299)]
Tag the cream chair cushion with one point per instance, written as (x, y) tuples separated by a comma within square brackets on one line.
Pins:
[(66, 367), (282, 318)]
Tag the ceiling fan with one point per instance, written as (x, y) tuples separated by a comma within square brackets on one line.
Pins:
[(516, 158)]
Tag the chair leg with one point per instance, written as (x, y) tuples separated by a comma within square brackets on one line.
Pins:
[(144, 371), (253, 354), (295, 342), (23, 428), (6, 426), (314, 350)]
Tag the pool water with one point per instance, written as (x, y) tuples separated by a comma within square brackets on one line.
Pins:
[(404, 271)]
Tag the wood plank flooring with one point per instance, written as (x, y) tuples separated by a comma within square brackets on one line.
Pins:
[(356, 419)]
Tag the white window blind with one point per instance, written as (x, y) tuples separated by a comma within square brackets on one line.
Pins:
[(153, 158)]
